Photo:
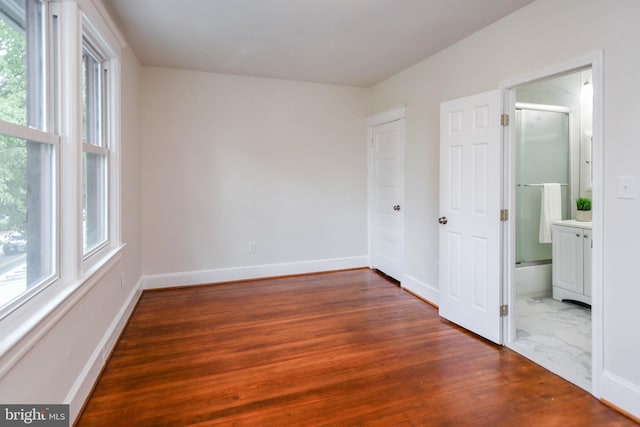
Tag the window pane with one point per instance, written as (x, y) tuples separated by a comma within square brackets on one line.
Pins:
[(21, 62), (94, 201), (91, 99), (26, 216)]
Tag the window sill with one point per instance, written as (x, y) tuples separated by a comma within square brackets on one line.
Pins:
[(23, 328)]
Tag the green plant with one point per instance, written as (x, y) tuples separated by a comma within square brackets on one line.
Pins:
[(583, 204)]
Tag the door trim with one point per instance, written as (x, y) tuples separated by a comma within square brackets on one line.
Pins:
[(386, 116), (376, 119), (595, 61)]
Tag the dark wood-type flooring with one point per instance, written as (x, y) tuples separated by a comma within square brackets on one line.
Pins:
[(341, 349)]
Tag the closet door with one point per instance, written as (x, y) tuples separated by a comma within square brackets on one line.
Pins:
[(387, 186)]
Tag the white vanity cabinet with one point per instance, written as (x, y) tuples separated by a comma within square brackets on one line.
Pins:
[(571, 268)]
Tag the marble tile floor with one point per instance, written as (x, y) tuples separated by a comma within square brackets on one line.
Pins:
[(555, 335)]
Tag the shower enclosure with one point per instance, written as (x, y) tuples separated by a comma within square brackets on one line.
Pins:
[(543, 155)]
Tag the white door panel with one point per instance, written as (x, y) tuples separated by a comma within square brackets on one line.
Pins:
[(470, 171), (387, 162)]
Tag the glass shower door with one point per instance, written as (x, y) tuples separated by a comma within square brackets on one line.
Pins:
[(542, 156)]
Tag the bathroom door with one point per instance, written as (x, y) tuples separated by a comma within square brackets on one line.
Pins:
[(470, 203)]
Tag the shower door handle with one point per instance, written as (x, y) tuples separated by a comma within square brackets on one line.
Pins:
[(443, 220)]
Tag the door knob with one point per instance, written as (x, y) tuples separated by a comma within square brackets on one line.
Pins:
[(396, 208), (443, 220)]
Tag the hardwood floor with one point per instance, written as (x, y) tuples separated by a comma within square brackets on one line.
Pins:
[(346, 348)]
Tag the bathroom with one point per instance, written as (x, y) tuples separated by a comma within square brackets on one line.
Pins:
[(553, 171)]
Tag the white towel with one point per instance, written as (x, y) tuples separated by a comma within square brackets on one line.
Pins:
[(550, 210)]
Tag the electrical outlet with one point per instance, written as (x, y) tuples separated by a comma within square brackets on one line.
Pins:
[(122, 280), (252, 247)]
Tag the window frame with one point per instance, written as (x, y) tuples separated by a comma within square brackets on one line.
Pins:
[(105, 51), (44, 133), (97, 125)]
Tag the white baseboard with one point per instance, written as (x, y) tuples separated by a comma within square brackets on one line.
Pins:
[(188, 278), (420, 288), (81, 388), (620, 392)]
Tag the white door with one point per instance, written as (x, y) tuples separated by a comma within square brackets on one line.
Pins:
[(470, 202), (387, 190)]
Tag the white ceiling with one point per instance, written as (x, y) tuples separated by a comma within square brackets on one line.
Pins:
[(347, 42)]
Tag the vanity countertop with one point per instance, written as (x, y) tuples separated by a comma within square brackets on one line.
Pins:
[(574, 223)]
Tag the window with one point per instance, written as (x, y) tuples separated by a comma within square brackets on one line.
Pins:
[(27, 156), (22, 62), (95, 154), (59, 197)]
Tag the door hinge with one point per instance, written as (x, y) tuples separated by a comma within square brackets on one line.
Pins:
[(504, 119), (504, 310), (504, 214)]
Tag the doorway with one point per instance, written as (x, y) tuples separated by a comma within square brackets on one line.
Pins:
[(493, 299), (551, 145)]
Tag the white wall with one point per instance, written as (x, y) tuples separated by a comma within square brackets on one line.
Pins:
[(543, 34), (64, 354), (229, 160)]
